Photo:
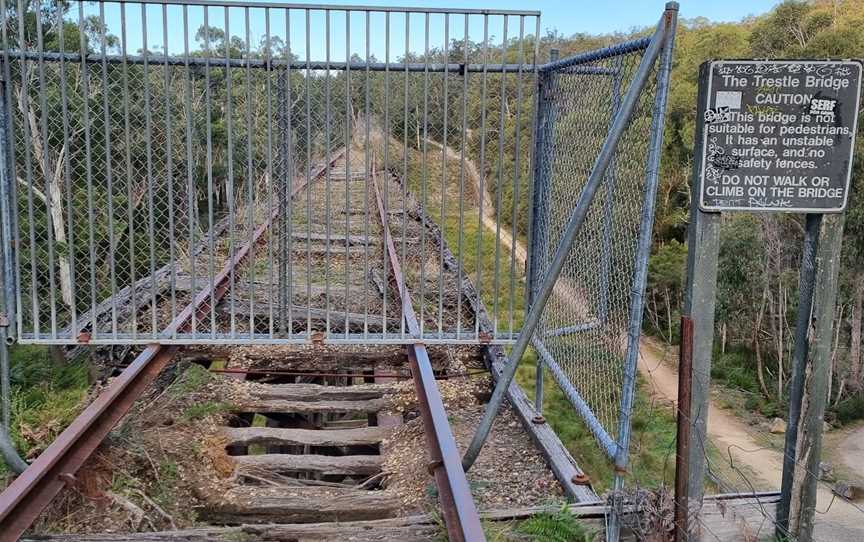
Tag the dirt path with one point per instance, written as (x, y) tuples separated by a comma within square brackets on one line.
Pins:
[(843, 521), (850, 451)]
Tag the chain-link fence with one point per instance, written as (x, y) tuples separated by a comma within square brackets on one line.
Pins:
[(147, 142), (588, 333)]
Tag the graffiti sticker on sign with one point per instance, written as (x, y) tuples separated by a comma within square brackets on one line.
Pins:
[(777, 135)]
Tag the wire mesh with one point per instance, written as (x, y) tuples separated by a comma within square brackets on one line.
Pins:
[(148, 141), (582, 335)]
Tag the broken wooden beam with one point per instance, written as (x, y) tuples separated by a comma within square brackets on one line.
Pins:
[(317, 392)]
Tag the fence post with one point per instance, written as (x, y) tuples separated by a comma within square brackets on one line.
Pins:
[(7, 283), (703, 247), (815, 383), (799, 365), (540, 208), (640, 271)]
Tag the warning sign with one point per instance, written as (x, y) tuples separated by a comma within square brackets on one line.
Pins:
[(777, 135)]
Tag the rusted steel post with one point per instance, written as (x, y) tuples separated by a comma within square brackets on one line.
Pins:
[(682, 447)]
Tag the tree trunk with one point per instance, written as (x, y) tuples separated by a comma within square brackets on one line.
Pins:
[(52, 170), (757, 347), (855, 335), (669, 315)]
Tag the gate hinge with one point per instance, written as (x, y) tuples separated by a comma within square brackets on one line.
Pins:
[(485, 337), (4, 320)]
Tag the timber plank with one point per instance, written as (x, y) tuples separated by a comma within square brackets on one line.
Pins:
[(323, 464), (317, 392), (300, 505), (264, 406), (364, 436)]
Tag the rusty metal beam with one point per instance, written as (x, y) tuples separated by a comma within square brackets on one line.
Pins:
[(29, 494), (457, 504)]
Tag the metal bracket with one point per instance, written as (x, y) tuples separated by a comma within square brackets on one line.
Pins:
[(318, 338), (4, 320), (581, 479), (432, 466)]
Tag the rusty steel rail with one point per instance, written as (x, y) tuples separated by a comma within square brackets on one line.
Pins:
[(29, 494), (457, 505)]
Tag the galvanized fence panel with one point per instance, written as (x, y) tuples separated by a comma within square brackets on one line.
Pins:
[(146, 141)]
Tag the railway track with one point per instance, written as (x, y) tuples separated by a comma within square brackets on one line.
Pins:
[(326, 431)]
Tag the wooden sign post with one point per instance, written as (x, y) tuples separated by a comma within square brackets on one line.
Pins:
[(771, 136)]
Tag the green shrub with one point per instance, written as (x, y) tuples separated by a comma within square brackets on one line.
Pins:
[(562, 526), (851, 409)]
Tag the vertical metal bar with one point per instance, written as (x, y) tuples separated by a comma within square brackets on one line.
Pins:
[(289, 216), (169, 173), (52, 301), (10, 194), (49, 196), (425, 178), (190, 177), (211, 272), (544, 133), (643, 252), (444, 176), (67, 181), (7, 272), (229, 124), (308, 183), (517, 173), (130, 191), (807, 282), (386, 130), (327, 184), (8, 202), (28, 168), (496, 292), (269, 168), (250, 174), (366, 173), (151, 218), (682, 441), (284, 127), (461, 256), (481, 169), (108, 172), (151, 203), (573, 226), (405, 152), (85, 93), (347, 145), (532, 163)]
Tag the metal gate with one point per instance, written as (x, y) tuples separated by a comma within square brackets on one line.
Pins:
[(145, 142), (148, 147)]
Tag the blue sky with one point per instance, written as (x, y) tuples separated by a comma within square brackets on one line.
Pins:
[(567, 17)]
